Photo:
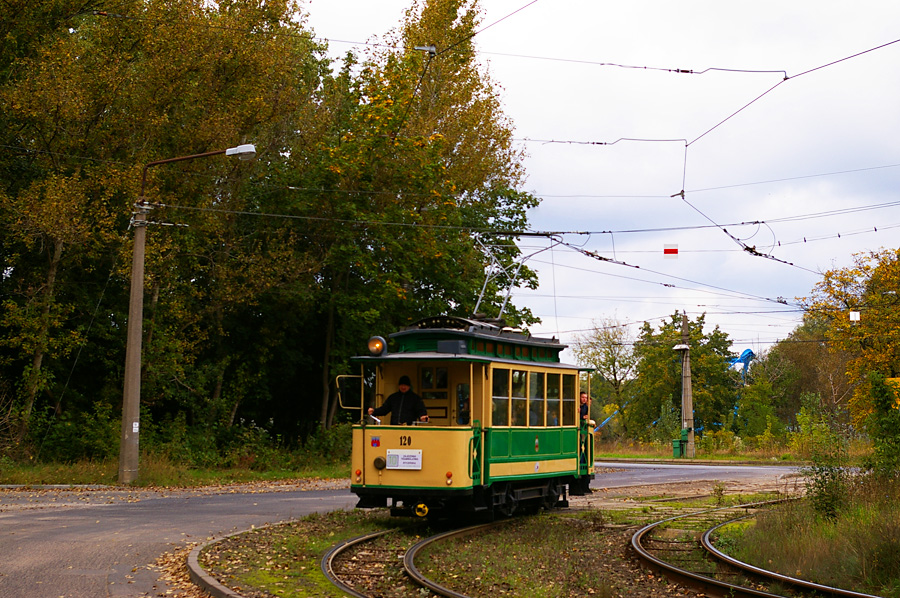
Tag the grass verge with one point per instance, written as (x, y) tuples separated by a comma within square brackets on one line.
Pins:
[(158, 471), (557, 554), (284, 560), (858, 549)]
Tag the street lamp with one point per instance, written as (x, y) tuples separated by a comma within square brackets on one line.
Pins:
[(687, 400), (687, 403), (131, 402)]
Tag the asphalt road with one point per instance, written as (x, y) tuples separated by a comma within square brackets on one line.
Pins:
[(85, 543), (636, 474)]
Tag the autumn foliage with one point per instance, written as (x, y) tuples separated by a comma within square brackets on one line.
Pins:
[(380, 181)]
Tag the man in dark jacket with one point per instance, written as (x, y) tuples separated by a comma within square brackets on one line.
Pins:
[(405, 406)]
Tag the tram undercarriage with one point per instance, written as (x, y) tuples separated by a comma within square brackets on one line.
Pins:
[(501, 498)]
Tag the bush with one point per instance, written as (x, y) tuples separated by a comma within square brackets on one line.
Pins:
[(883, 426), (826, 488), (721, 441), (816, 437), (332, 444), (668, 426), (72, 436), (772, 437)]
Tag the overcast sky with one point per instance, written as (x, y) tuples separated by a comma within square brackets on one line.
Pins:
[(816, 156)]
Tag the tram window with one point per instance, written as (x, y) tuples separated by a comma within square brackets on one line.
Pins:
[(490, 349), (519, 398), (434, 383), (500, 403), (536, 399), (462, 404), (553, 400), (440, 377), (568, 399)]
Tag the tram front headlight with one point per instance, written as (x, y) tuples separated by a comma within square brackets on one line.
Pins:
[(377, 346)]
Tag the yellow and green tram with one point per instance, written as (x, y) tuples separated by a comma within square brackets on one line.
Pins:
[(504, 430)]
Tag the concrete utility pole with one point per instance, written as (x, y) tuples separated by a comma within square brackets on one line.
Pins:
[(687, 399), (131, 401)]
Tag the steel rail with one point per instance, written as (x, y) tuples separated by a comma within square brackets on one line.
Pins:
[(765, 573), (707, 584), (327, 563), (419, 578)]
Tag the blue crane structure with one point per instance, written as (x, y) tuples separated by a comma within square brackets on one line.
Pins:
[(745, 358)]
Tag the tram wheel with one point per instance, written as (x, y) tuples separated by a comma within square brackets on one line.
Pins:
[(554, 491), (509, 503)]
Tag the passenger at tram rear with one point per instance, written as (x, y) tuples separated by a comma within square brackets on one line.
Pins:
[(405, 406), (585, 412)]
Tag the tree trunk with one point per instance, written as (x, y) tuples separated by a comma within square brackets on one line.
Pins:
[(37, 359), (332, 409), (326, 369), (233, 413)]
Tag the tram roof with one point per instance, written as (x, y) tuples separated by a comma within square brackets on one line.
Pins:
[(486, 329), (451, 338), (434, 356)]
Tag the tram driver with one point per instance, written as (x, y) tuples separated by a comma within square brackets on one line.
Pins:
[(405, 406)]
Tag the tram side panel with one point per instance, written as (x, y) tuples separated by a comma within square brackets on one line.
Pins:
[(532, 452)]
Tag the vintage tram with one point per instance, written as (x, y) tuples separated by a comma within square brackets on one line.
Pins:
[(504, 430)]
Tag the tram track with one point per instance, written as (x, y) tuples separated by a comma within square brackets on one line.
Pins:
[(681, 548), (384, 563), (336, 563), (356, 566)]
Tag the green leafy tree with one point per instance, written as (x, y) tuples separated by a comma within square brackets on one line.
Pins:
[(804, 362), (756, 415), (90, 97), (714, 384), (413, 162), (608, 349), (883, 426), (396, 174)]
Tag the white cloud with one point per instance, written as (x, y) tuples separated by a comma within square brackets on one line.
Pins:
[(838, 118)]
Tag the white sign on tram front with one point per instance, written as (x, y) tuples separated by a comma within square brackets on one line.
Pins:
[(404, 459)]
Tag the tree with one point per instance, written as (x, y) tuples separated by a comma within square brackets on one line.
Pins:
[(869, 289), (608, 349), (658, 378), (414, 162), (388, 177), (803, 363), (883, 426), (756, 411), (90, 98)]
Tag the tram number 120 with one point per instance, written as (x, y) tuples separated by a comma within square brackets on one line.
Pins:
[(406, 441)]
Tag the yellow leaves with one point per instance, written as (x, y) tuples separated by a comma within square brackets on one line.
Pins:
[(54, 207), (869, 290)]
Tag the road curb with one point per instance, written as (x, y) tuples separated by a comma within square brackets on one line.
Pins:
[(207, 582), (666, 461), (202, 579)]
